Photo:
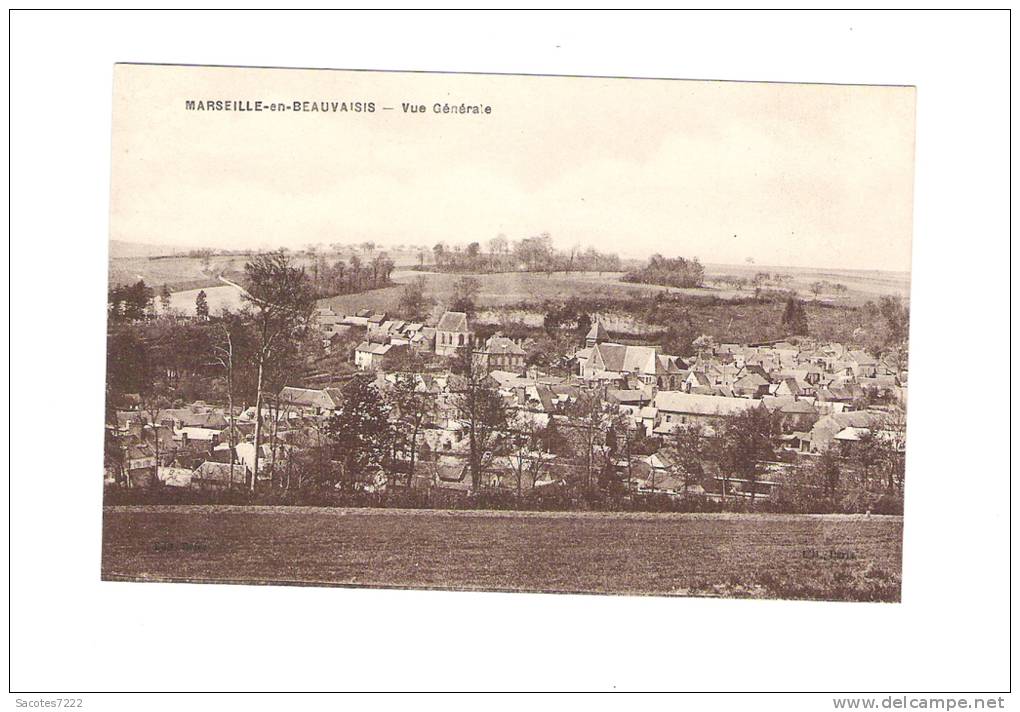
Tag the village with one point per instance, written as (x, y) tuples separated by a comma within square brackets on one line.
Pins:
[(435, 415)]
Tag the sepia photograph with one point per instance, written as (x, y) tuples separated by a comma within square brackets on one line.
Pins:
[(378, 353), (552, 334)]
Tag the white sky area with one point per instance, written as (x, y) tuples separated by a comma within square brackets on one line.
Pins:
[(788, 174)]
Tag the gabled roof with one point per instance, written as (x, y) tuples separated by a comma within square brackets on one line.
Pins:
[(641, 359), (751, 379), (597, 331), (309, 397), (498, 344), (611, 354), (629, 359), (626, 396), (791, 385), (680, 402), (453, 321), (373, 348), (220, 471), (863, 358), (700, 378), (669, 364)]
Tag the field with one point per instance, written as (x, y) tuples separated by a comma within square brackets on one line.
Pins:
[(130, 262), (829, 557), (497, 289), (186, 275), (511, 288), (862, 285)]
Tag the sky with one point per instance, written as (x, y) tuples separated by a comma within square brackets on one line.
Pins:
[(785, 174)]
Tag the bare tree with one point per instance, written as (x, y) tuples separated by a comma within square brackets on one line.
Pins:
[(687, 451), (226, 353), (525, 449), (281, 300), (414, 408), (481, 408), (154, 400), (590, 418)]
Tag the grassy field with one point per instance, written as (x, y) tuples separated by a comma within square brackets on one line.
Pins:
[(788, 556), (512, 288), (496, 289), (130, 262)]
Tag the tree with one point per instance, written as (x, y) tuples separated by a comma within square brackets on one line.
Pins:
[(229, 351), (415, 303), (281, 300), (439, 254), (687, 451), (164, 299), (414, 408), (465, 292), (618, 445), (356, 275), (591, 419), (827, 470), (704, 343), (482, 410), (747, 442), (154, 400), (497, 248), (897, 318), (527, 448), (867, 454), (795, 317), (583, 324), (675, 272), (201, 305), (817, 288), (130, 302), (359, 431)]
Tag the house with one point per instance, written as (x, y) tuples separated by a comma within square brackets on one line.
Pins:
[(218, 476), (609, 361), (451, 480), (139, 465), (795, 414), (676, 408), (370, 356), (175, 476), (790, 386), (824, 432), (696, 379), (452, 333), (864, 364), (882, 386), (751, 382), (421, 339), (309, 401), (500, 353)]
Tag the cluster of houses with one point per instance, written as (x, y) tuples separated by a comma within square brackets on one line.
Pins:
[(384, 341), (826, 394), (814, 386)]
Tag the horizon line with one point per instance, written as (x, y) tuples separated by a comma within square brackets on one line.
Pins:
[(426, 248)]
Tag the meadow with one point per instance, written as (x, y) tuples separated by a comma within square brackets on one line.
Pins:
[(830, 557)]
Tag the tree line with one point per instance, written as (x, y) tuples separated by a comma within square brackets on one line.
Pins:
[(530, 254), (670, 272)]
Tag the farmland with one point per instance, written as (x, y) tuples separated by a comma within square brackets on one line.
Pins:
[(828, 557), (510, 288)]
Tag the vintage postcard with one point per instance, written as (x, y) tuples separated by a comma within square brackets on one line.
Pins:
[(508, 333)]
